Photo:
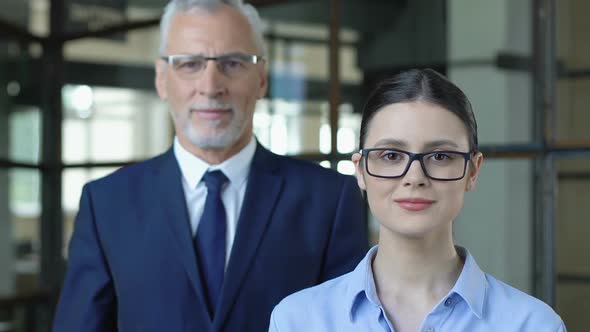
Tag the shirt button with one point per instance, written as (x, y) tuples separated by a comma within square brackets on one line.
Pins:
[(448, 302)]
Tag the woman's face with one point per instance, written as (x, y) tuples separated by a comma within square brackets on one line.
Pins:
[(414, 205)]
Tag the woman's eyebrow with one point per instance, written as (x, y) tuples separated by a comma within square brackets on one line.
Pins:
[(387, 142), (439, 143), (402, 144)]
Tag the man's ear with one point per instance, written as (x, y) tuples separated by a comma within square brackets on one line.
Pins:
[(358, 166), (474, 167), (160, 79), (263, 82)]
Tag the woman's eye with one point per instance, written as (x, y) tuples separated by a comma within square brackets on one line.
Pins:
[(391, 156), (441, 156)]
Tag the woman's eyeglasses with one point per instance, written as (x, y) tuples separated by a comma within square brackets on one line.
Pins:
[(395, 163)]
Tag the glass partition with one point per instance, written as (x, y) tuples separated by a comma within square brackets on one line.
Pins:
[(73, 181), (570, 124), (573, 58), (572, 229), (113, 124), (19, 234), (20, 97)]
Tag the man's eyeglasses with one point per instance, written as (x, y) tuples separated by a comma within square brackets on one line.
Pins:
[(232, 65), (394, 163)]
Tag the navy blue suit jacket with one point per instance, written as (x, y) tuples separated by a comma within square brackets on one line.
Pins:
[(132, 265)]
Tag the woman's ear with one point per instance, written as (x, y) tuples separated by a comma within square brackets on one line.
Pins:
[(474, 167), (358, 166)]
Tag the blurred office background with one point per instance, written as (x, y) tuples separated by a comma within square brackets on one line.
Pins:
[(77, 101)]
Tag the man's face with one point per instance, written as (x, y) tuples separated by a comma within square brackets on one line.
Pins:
[(211, 110)]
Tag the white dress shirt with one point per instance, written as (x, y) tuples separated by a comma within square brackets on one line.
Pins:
[(236, 169)]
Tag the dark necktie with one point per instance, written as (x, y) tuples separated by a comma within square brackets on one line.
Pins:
[(210, 239)]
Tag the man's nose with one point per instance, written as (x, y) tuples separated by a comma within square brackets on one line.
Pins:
[(211, 82)]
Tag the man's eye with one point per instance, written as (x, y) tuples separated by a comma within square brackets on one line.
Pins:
[(232, 63), (190, 65)]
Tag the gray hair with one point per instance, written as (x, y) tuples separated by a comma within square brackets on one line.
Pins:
[(182, 6)]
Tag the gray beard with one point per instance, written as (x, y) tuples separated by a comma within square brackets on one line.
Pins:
[(221, 139)]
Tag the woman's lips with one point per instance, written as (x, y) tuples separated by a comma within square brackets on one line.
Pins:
[(414, 204)]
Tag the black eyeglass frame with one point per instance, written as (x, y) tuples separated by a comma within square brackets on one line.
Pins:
[(416, 156)]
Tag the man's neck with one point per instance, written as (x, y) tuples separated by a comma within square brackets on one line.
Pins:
[(216, 155)]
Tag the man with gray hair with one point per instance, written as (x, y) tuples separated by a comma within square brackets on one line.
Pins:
[(212, 234)]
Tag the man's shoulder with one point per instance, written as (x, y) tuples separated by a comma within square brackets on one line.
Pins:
[(132, 172)]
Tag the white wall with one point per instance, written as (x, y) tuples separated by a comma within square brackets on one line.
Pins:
[(496, 222)]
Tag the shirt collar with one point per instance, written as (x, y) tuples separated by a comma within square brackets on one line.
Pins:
[(235, 168), (362, 284), (471, 284)]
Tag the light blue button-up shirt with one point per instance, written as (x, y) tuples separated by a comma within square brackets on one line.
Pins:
[(478, 302)]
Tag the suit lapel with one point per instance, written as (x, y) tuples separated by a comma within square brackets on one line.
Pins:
[(173, 204), (263, 189)]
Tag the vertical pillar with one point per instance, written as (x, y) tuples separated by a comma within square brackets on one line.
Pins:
[(6, 240), (334, 75), (544, 96), (51, 178)]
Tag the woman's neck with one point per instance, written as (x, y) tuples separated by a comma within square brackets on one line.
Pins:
[(416, 266)]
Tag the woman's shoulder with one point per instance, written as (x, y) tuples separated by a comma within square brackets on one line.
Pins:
[(319, 295), (506, 300), (312, 307), (328, 306)]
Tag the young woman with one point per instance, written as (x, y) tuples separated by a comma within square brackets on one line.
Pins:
[(419, 155)]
